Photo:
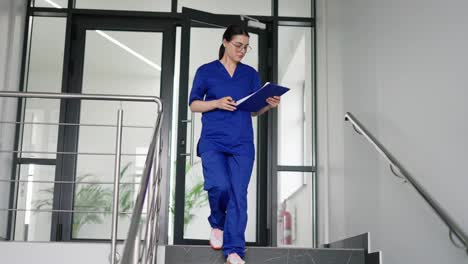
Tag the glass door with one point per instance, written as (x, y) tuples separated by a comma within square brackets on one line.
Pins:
[(201, 38), (116, 56)]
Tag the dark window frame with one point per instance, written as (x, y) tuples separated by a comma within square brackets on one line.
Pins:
[(266, 123)]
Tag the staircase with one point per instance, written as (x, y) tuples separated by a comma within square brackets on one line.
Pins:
[(349, 251)]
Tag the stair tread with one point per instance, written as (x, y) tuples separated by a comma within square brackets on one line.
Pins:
[(275, 248), (178, 254)]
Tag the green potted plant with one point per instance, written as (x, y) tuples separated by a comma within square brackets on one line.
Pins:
[(93, 197), (195, 195)]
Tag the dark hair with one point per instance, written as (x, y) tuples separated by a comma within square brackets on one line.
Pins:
[(230, 32)]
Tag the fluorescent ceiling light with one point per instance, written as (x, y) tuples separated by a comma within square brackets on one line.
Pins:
[(116, 42)]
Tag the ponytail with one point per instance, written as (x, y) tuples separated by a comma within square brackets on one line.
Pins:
[(221, 51), (231, 31)]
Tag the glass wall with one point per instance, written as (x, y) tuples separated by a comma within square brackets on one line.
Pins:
[(115, 62), (242, 7), (126, 62), (295, 145), (40, 132), (44, 75), (34, 202), (295, 111), (50, 3), (136, 5), (295, 8)]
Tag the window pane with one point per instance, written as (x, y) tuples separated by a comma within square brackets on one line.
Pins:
[(50, 3), (295, 110), (295, 209), (6, 165), (239, 7), (116, 62), (135, 5), (34, 201), (295, 8), (44, 75)]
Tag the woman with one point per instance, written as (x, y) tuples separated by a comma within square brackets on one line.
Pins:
[(226, 144)]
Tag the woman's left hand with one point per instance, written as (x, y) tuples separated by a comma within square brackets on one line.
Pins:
[(273, 101)]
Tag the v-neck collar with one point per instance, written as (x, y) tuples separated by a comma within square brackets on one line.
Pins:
[(226, 71)]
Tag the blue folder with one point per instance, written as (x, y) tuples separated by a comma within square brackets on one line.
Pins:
[(256, 101)]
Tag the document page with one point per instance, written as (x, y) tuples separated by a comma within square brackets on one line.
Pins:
[(248, 96)]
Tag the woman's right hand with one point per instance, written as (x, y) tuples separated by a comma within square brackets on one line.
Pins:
[(226, 103)]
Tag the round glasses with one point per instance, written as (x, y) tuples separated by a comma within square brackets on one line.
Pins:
[(239, 46)]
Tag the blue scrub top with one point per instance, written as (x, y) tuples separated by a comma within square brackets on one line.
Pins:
[(223, 130)]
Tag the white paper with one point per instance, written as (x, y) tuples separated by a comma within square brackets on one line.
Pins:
[(248, 96)]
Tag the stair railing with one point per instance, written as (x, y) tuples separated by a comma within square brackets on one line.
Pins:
[(149, 191), (454, 230)]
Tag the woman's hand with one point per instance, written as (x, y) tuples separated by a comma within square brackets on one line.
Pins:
[(226, 103), (273, 101)]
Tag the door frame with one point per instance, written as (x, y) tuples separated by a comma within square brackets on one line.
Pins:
[(196, 18), (61, 229)]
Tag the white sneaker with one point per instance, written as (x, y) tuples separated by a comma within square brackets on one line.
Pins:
[(216, 239), (234, 259)]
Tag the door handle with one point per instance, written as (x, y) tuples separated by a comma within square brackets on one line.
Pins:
[(191, 136)]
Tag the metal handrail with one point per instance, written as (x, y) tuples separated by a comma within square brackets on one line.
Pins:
[(453, 227), (68, 182), (134, 229), (152, 157), (72, 124), (92, 97), (63, 211), (69, 153)]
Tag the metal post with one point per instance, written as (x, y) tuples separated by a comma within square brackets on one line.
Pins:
[(115, 209), (153, 225), (149, 218), (157, 201), (137, 249), (151, 203)]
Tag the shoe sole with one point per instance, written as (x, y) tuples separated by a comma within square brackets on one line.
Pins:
[(227, 262), (215, 248)]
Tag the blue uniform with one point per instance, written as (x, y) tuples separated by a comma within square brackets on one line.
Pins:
[(226, 149)]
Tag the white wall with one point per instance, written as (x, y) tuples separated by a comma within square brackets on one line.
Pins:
[(11, 28), (73, 253), (56, 252), (399, 66)]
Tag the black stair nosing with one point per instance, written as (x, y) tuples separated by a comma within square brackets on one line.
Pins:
[(358, 241), (374, 258), (275, 248)]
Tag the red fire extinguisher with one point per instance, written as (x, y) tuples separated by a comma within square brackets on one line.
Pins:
[(287, 227)]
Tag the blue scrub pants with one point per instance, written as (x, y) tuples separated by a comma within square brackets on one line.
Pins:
[(227, 177)]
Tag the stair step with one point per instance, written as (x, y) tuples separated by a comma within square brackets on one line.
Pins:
[(270, 255)]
